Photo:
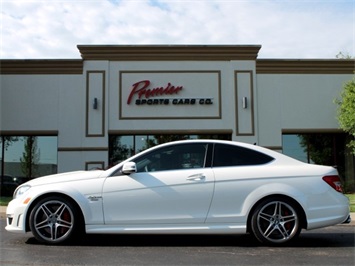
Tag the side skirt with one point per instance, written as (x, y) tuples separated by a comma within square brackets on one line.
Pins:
[(167, 229)]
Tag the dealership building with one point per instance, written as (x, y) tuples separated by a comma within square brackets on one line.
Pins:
[(61, 115)]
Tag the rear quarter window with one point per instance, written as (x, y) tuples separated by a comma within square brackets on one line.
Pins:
[(228, 155)]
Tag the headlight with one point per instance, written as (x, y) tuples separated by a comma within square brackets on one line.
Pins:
[(21, 190)]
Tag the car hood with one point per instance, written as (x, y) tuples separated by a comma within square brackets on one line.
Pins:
[(65, 177)]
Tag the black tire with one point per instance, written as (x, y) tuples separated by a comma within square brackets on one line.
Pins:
[(276, 221), (54, 220)]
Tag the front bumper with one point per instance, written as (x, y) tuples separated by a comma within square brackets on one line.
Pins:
[(15, 217)]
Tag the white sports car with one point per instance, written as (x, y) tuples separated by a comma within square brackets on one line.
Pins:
[(184, 187)]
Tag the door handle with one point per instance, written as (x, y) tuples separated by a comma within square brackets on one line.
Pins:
[(196, 177)]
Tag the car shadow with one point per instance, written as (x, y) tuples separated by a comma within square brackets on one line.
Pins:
[(304, 240), (158, 240)]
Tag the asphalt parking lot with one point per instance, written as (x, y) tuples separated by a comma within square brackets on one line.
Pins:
[(327, 246)]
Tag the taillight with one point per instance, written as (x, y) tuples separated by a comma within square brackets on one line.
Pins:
[(334, 182)]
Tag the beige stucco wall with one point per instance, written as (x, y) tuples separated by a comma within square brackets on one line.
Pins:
[(283, 96), (291, 102)]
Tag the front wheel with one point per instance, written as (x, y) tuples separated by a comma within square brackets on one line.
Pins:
[(275, 221), (54, 220)]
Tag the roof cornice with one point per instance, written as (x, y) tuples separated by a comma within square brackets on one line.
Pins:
[(169, 52), (305, 66), (41, 66)]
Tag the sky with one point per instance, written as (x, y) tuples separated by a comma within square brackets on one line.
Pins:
[(52, 29)]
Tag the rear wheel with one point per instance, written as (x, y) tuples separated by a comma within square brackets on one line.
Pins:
[(54, 220), (276, 221)]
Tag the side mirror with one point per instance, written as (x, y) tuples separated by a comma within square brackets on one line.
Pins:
[(129, 168)]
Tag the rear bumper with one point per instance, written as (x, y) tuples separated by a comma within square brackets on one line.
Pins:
[(348, 220)]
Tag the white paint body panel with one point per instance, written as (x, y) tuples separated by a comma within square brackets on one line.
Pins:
[(159, 197)]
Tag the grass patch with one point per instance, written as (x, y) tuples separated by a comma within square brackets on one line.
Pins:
[(5, 200), (352, 201)]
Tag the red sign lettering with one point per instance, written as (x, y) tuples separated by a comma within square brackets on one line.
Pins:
[(142, 89)]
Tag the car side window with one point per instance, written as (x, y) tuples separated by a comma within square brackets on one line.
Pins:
[(229, 155), (173, 157)]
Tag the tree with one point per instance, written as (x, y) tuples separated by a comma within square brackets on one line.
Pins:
[(7, 141), (340, 55), (346, 111), (118, 152), (346, 106), (318, 147), (30, 158), (159, 139)]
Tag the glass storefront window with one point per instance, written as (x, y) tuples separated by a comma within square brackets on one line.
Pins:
[(26, 157), (324, 149), (1, 155), (122, 147), (291, 146), (141, 142)]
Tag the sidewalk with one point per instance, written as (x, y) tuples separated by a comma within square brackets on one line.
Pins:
[(3, 215)]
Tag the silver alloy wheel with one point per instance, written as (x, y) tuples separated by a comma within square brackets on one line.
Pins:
[(277, 222), (53, 221)]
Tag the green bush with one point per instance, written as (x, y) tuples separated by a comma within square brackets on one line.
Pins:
[(349, 187), (5, 200), (352, 201)]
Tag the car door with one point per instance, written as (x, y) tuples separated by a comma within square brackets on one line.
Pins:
[(171, 186), (238, 171)]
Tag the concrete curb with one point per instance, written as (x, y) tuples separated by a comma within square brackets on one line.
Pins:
[(3, 215)]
